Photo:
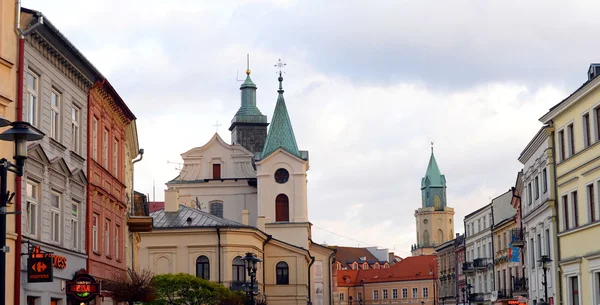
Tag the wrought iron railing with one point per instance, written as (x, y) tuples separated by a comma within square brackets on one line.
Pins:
[(520, 284), (479, 263)]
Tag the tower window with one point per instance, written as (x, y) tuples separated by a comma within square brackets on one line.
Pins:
[(282, 208), (437, 202), (216, 208), (216, 171)]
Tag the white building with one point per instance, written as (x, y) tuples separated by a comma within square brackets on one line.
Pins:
[(537, 215), (478, 267)]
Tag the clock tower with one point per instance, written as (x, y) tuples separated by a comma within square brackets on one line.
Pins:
[(434, 220)]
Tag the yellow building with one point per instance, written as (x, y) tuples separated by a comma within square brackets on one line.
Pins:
[(506, 259), (575, 124)]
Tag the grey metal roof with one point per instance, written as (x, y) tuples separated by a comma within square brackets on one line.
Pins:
[(198, 219)]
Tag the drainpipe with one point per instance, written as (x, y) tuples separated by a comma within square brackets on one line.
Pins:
[(312, 261), (492, 258), (269, 237), (555, 222), (330, 276), (219, 253), (141, 154), (19, 117)]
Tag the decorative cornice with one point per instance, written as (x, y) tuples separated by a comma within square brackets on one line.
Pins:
[(109, 105), (52, 55)]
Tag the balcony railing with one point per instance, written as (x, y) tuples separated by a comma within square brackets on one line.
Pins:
[(477, 297), (481, 263), (504, 294), (520, 285), (517, 237), (468, 267)]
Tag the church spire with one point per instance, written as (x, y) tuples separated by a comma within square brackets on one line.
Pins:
[(433, 176), (281, 133)]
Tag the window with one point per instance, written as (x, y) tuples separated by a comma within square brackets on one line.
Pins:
[(548, 242), (565, 202), (404, 293), (341, 296), (415, 293), (591, 203), (395, 293), (95, 139), (75, 137), (375, 294), (216, 171), (529, 197), (561, 145), (74, 219), (354, 266), (216, 208), (571, 132), (587, 136), (365, 266), (478, 225), (55, 216), (282, 273), (359, 295), (575, 213), (105, 148), (544, 181), (384, 292), (537, 187), (597, 115), (574, 290), (538, 249), (282, 209), (32, 92), (532, 256), (32, 208), (203, 267), (425, 292), (484, 223), (107, 237), (116, 157), (505, 240), (117, 231), (239, 270), (95, 233), (484, 252), (55, 114)]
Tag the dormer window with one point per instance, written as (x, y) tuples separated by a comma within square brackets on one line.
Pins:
[(354, 266), (365, 266), (216, 171)]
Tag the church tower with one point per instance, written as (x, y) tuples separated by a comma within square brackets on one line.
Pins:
[(282, 185), (249, 126), (435, 220)]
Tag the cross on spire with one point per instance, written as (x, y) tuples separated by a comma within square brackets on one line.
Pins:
[(431, 146), (217, 126), (279, 66)]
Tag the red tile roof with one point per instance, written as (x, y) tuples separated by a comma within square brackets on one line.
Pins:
[(351, 254), (409, 269)]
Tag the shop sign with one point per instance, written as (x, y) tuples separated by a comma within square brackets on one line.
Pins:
[(39, 270), (57, 260), (83, 287)]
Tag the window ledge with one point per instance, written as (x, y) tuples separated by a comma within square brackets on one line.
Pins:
[(96, 252), (57, 144)]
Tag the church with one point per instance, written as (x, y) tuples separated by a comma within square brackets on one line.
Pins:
[(434, 220), (247, 196)]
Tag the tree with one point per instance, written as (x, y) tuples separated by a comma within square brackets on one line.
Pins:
[(131, 287), (186, 289)]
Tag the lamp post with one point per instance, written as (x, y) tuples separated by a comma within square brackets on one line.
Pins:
[(545, 261), (20, 134), (250, 260)]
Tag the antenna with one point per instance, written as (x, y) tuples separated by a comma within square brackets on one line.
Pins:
[(237, 76), (178, 167)]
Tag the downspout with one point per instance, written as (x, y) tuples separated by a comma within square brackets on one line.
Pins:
[(492, 258), (555, 221), (19, 117), (330, 276), (312, 261), (141, 154), (219, 253), (269, 237)]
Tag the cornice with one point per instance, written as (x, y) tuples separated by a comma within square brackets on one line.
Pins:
[(58, 60), (581, 92), (108, 105)]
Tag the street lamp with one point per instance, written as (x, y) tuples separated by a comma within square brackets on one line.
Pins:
[(20, 134), (250, 260), (545, 262)]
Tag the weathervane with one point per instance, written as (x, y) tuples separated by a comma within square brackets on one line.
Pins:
[(217, 126), (279, 66)]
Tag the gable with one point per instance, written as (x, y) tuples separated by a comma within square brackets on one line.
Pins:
[(216, 146), (59, 166), (37, 153), (282, 156)]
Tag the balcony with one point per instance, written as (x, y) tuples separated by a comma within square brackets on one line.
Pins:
[(139, 220), (481, 263), (478, 297), (504, 294), (520, 286), (517, 238), (468, 267)]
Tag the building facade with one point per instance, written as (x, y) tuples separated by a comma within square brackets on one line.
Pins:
[(539, 217), (461, 282), (54, 189), (434, 220), (575, 134), (506, 260), (447, 267)]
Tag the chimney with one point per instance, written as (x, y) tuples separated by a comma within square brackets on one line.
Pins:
[(260, 223), (245, 217), (171, 200), (391, 258)]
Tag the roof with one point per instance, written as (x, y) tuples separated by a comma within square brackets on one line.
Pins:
[(348, 255), (156, 205), (433, 176), (412, 268), (198, 219), (281, 133), (248, 112)]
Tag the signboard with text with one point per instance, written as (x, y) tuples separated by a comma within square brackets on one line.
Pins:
[(39, 270), (83, 287)]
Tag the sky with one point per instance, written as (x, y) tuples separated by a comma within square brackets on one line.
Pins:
[(368, 86)]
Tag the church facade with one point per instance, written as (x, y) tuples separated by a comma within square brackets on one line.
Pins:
[(434, 220), (247, 196)]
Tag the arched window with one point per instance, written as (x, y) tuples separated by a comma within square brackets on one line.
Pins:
[(426, 238), (283, 276), (440, 237), (437, 202), (216, 208), (282, 208), (202, 267), (354, 266), (239, 270), (365, 266)]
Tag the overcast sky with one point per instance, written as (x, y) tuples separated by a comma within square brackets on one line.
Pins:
[(368, 85)]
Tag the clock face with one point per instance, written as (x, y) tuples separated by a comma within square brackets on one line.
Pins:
[(282, 175)]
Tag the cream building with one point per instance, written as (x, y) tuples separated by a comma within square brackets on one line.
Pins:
[(575, 124), (243, 197), (434, 220)]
